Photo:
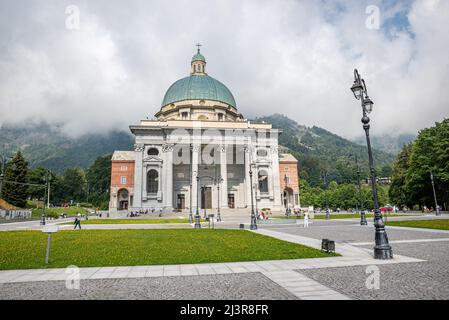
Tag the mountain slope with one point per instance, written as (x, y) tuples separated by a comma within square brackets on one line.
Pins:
[(43, 146), (319, 150)]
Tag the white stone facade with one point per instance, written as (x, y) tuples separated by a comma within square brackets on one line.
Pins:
[(219, 159)]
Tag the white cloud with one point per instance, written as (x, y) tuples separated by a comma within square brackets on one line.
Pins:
[(291, 57)]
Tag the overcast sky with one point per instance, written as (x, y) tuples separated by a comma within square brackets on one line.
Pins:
[(290, 57)]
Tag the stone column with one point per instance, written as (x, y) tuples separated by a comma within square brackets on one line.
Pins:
[(168, 178), (276, 177), (247, 178), (194, 159), (224, 176), (138, 172)]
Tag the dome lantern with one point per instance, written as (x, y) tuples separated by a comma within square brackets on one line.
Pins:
[(198, 63)]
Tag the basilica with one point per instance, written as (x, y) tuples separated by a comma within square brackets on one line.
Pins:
[(200, 152)]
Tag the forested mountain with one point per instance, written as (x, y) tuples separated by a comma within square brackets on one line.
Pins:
[(44, 146), (319, 150)]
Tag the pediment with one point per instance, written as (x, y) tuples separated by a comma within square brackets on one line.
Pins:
[(152, 159)]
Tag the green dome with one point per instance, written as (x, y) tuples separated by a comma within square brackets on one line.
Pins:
[(198, 57), (198, 87)]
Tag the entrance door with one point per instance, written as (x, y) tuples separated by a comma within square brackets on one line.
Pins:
[(123, 205), (231, 201), (181, 201), (206, 198)]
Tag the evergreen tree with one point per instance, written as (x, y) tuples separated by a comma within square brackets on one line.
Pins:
[(15, 190), (37, 178)]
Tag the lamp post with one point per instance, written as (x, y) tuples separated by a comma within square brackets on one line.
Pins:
[(382, 249), (435, 195), (253, 225)]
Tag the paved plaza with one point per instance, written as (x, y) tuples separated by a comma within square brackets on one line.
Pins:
[(419, 270)]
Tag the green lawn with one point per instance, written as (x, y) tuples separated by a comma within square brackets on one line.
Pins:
[(132, 221), (84, 248), (428, 224)]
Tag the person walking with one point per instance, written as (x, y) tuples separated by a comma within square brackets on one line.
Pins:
[(77, 223), (306, 219)]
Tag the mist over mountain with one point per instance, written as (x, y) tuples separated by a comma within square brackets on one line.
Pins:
[(46, 146), (388, 142)]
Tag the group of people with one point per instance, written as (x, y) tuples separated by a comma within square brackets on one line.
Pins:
[(141, 211)]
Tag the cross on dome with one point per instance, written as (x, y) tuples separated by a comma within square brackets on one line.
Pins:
[(198, 45)]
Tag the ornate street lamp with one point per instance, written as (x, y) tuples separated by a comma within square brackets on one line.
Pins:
[(382, 249), (253, 225)]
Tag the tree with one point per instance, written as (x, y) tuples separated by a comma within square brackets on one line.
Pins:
[(36, 177), (99, 181), (73, 185), (386, 171), (429, 153), (398, 192), (15, 190)]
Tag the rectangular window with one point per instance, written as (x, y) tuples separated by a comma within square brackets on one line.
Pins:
[(124, 168), (123, 180)]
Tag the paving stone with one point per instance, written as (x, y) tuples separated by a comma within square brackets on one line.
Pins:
[(246, 286)]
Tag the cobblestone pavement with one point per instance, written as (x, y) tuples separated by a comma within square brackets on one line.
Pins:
[(223, 287), (424, 280)]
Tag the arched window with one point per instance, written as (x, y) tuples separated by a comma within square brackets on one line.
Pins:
[(153, 152), (263, 181), (262, 153), (152, 181)]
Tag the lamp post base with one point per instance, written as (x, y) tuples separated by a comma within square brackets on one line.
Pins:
[(190, 218), (383, 253), (253, 225), (197, 222), (363, 221)]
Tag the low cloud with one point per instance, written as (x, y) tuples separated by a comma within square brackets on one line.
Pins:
[(290, 57)]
